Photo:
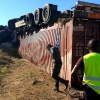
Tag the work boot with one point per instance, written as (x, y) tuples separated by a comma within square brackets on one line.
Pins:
[(56, 88)]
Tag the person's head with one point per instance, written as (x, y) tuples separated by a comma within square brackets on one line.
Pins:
[(49, 46), (93, 45)]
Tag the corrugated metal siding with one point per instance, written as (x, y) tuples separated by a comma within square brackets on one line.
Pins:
[(73, 44), (33, 48), (82, 33)]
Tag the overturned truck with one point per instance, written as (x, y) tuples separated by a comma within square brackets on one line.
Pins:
[(69, 31)]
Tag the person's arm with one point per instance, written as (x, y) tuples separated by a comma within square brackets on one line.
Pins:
[(79, 65), (55, 53)]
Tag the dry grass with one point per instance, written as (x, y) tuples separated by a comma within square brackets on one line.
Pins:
[(21, 80)]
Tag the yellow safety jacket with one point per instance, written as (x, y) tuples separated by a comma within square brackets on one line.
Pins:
[(92, 71)]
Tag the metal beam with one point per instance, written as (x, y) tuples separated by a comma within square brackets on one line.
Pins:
[(20, 23), (88, 4)]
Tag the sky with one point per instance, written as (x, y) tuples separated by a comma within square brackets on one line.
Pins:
[(10, 9)]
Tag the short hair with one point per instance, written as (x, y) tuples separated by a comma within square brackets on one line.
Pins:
[(93, 45), (49, 46)]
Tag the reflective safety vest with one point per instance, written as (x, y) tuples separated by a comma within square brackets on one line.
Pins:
[(92, 71)]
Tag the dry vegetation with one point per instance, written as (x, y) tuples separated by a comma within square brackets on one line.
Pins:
[(21, 80)]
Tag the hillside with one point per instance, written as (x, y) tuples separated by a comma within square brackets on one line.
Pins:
[(21, 80)]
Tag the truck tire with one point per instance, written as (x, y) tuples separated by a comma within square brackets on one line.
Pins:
[(38, 16), (49, 13), (30, 20), (22, 17), (11, 23), (5, 35), (66, 12), (58, 14), (2, 27)]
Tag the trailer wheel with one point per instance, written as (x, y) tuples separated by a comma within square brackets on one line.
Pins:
[(58, 14), (49, 13), (23, 17), (11, 23), (2, 27), (66, 11), (30, 20), (38, 16)]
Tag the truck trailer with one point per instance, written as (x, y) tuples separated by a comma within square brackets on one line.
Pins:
[(69, 31)]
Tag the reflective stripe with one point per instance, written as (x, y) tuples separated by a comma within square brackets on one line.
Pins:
[(96, 87), (91, 78)]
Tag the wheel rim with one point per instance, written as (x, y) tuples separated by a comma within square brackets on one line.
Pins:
[(45, 13), (36, 16)]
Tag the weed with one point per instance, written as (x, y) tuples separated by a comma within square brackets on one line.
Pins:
[(31, 74), (14, 98), (4, 70)]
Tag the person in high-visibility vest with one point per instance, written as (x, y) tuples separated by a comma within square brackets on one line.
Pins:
[(90, 63)]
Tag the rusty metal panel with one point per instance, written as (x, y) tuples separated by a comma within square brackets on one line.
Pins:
[(33, 48), (98, 30), (73, 44), (83, 31), (69, 32)]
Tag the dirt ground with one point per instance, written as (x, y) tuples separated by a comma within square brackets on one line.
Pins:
[(21, 80)]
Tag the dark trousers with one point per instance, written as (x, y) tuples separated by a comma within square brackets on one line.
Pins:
[(55, 74), (90, 94)]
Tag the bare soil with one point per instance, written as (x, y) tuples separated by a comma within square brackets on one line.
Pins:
[(22, 80)]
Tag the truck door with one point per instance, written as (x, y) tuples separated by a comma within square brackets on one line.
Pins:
[(83, 31)]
